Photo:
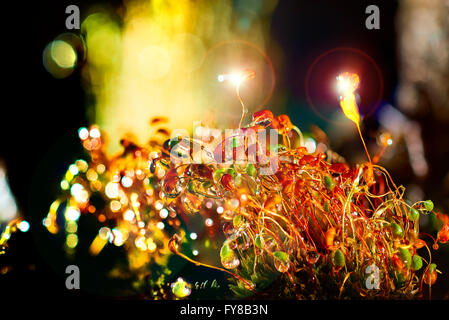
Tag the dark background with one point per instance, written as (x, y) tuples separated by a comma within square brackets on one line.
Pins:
[(40, 115)]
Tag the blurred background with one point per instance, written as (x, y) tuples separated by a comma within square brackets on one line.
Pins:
[(134, 60)]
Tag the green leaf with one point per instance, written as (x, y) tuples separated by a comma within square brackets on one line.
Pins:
[(416, 263), (191, 186), (231, 172), (338, 258), (258, 241), (206, 184), (281, 256), (428, 204), (399, 280), (234, 142), (432, 267), (218, 173), (329, 182), (413, 215), (405, 256), (237, 221), (226, 252), (397, 229), (251, 170)]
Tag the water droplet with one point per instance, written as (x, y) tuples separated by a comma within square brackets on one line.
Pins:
[(228, 228), (312, 257), (191, 203), (228, 214), (230, 263), (280, 266), (228, 257), (180, 288)]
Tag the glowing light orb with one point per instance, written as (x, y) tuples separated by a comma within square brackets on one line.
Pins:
[(347, 84), (23, 226)]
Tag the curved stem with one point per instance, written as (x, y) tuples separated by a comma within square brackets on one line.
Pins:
[(237, 90), (363, 141)]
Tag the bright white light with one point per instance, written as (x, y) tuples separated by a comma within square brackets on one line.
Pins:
[(8, 207), (76, 189), (23, 226), (163, 213), (158, 205), (235, 78), (310, 145), (73, 169), (104, 233), (129, 215), (94, 133), (209, 222), (127, 182), (118, 238), (83, 133), (343, 85), (112, 190), (72, 214), (193, 236)]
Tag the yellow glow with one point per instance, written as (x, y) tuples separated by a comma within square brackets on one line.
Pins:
[(237, 78), (140, 243), (97, 245), (50, 220), (189, 48), (134, 197), (347, 84), (103, 40), (151, 245), (71, 227), (112, 190), (104, 233), (82, 165), (159, 59), (65, 185), (115, 205), (119, 236), (71, 240), (63, 54), (158, 205), (154, 62), (91, 175), (101, 168)]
